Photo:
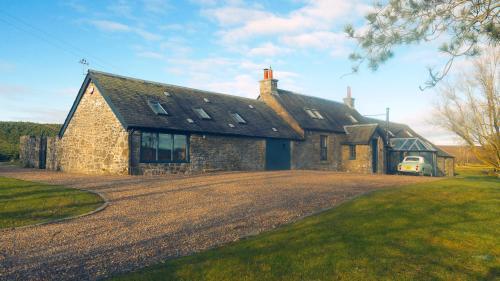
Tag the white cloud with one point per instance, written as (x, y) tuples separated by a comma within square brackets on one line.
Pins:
[(107, 25), (242, 85), (240, 22), (151, 55), (268, 49), (318, 39), (112, 26)]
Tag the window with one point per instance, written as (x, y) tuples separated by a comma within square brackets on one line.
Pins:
[(318, 115), (190, 120), (323, 143), (157, 108), (148, 147), (310, 113), (202, 113), (409, 134), (238, 118), (230, 125), (206, 100), (274, 129), (164, 148), (167, 94), (314, 113), (352, 152), (251, 106)]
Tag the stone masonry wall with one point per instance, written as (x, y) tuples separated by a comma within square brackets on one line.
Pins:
[(29, 151), (306, 154), (207, 153), (445, 166), (52, 162), (362, 163), (94, 141)]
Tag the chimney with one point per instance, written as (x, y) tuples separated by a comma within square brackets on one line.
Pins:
[(269, 85), (348, 100)]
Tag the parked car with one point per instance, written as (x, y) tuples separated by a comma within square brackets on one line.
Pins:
[(415, 165)]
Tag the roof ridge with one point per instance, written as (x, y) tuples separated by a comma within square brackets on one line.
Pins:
[(169, 85), (309, 96)]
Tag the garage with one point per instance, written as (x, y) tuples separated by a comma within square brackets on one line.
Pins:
[(277, 154)]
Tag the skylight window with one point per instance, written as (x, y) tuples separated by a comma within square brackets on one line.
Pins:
[(238, 118), (230, 125), (274, 129), (206, 100), (354, 120), (157, 108), (314, 113), (167, 94), (190, 120), (251, 106), (318, 115), (409, 134), (310, 113), (202, 113)]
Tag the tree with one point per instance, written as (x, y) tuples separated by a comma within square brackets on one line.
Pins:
[(470, 108), (464, 25)]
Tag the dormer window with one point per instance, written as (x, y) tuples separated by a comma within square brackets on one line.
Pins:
[(314, 113), (202, 113), (157, 108), (238, 118)]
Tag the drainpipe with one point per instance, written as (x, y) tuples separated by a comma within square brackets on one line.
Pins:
[(130, 152)]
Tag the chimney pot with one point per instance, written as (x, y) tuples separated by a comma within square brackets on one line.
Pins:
[(348, 91), (270, 73), (266, 73)]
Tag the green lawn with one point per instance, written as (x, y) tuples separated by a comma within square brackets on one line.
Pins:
[(444, 230), (25, 203)]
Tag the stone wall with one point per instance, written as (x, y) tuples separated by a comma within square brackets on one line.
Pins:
[(363, 161), (52, 158), (94, 141), (29, 151), (306, 154), (207, 153), (445, 166)]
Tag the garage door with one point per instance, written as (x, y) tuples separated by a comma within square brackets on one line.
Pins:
[(277, 154)]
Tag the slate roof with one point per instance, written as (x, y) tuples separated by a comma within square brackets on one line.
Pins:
[(360, 134), (336, 114), (128, 98)]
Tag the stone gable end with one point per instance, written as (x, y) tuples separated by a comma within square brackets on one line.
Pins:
[(94, 142)]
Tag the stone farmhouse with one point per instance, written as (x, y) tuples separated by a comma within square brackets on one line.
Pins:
[(122, 125)]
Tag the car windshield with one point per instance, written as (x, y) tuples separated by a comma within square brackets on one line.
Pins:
[(412, 159)]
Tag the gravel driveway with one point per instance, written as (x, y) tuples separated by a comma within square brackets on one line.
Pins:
[(153, 218)]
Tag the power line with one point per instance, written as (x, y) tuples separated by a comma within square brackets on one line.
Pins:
[(53, 40)]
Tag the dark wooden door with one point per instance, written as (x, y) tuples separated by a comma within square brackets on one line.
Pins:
[(374, 155), (43, 153), (277, 154)]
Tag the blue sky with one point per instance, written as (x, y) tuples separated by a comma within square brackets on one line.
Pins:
[(208, 44)]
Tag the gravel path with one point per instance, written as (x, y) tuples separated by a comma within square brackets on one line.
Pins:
[(153, 218)]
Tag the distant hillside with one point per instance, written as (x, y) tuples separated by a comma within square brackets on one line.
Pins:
[(463, 154), (11, 131)]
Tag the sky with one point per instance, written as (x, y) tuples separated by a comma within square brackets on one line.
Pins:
[(220, 46)]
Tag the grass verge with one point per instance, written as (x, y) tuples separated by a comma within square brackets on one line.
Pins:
[(25, 203), (443, 230)]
